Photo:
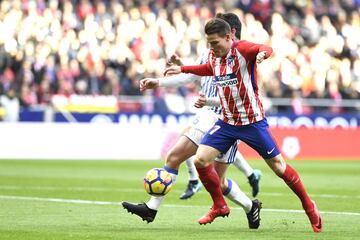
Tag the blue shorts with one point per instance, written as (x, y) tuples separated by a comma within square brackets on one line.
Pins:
[(222, 136)]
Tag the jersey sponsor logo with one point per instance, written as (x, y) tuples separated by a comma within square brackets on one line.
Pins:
[(226, 80)]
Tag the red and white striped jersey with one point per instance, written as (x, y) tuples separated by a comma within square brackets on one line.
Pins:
[(236, 80)]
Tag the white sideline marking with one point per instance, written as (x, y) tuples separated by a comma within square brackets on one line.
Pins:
[(101, 189), (61, 200)]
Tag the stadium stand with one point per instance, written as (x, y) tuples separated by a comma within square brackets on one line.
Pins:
[(104, 47)]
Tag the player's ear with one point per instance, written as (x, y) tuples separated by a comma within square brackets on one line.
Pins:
[(233, 32)]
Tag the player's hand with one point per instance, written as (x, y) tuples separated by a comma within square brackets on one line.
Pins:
[(172, 70), (201, 101), (174, 60), (148, 83), (260, 56)]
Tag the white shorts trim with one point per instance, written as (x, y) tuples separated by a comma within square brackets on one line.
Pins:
[(202, 122), (195, 135)]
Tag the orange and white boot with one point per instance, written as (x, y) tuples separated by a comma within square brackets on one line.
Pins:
[(213, 213)]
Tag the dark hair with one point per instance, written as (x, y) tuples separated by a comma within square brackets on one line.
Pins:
[(233, 20), (217, 26)]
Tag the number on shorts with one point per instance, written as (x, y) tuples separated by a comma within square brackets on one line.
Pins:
[(214, 129), (195, 121)]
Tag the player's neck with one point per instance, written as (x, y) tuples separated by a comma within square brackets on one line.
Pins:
[(234, 42), (231, 45)]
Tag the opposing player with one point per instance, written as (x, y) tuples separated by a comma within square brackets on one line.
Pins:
[(187, 146), (234, 66)]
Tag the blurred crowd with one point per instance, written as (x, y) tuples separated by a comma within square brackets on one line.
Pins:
[(105, 47)]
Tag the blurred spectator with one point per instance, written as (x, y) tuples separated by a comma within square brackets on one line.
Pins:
[(11, 105), (104, 47)]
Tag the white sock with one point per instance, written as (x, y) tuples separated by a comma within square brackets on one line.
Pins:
[(234, 193), (155, 202), (242, 164), (191, 169)]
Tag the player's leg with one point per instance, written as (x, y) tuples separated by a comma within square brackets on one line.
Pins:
[(202, 122), (258, 136), (232, 191), (217, 140), (292, 179), (252, 175), (194, 184), (210, 179), (228, 187), (147, 211), (193, 176), (182, 150)]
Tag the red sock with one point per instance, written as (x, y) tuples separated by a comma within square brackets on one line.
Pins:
[(292, 179), (211, 182)]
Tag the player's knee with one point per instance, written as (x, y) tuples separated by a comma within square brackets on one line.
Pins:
[(201, 162), (278, 171), (278, 165)]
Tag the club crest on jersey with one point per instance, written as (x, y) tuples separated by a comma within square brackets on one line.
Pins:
[(226, 80), (230, 60)]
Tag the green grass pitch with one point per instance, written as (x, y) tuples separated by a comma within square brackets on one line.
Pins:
[(81, 200)]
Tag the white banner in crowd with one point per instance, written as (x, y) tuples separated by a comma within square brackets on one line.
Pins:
[(143, 139), (81, 141)]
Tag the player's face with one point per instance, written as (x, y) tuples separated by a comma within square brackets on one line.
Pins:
[(219, 44)]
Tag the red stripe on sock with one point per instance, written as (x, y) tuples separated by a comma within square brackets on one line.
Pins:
[(211, 182)]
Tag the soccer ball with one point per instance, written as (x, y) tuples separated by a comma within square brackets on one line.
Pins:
[(157, 182)]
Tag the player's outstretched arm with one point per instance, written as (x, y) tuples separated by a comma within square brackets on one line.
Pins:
[(200, 70), (172, 81), (253, 51), (174, 60), (178, 80), (260, 57), (148, 83), (204, 101), (213, 101), (172, 70), (201, 101)]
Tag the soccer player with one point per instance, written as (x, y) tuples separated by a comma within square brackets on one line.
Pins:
[(186, 147), (213, 102), (234, 66)]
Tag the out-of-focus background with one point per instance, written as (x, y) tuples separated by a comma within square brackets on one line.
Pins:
[(69, 76), (81, 61)]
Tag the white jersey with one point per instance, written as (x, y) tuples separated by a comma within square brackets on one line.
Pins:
[(208, 84)]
